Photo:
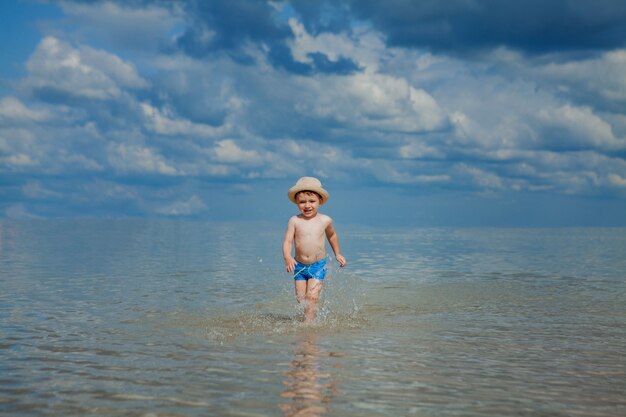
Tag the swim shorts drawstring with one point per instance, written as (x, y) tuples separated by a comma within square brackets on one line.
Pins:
[(300, 271)]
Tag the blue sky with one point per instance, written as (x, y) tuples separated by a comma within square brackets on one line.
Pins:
[(419, 113)]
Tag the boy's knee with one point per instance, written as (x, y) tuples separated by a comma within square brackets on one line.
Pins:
[(312, 298)]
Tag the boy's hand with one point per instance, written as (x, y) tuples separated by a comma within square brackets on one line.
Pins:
[(341, 260), (290, 265)]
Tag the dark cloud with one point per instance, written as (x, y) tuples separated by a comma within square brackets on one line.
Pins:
[(342, 66), (323, 16), (233, 23), (230, 27), (281, 57), (464, 26)]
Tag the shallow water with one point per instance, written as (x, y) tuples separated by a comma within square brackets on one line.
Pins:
[(165, 318)]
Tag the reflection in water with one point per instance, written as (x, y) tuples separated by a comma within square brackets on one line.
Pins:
[(309, 389)]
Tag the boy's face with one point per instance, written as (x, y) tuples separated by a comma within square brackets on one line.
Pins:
[(308, 204)]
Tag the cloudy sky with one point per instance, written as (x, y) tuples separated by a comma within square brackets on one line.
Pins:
[(416, 112)]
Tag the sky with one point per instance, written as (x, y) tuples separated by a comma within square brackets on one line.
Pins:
[(411, 112)]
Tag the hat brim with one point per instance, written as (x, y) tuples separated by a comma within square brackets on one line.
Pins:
[(298, 188)]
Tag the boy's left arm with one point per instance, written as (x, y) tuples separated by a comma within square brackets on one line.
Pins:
[(333, 239)]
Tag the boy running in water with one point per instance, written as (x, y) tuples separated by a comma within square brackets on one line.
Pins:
[(309, 231)]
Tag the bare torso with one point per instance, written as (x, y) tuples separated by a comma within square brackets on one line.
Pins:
[(310, 238)]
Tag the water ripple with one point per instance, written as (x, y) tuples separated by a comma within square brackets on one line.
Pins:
[(151, 318)]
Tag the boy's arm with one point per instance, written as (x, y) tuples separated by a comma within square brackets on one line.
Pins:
[(333, 239), (290, 262)]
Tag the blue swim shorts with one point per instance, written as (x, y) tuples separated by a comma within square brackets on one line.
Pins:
[(304, 272)]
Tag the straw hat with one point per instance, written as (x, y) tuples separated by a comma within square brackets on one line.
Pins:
[(308, 184)]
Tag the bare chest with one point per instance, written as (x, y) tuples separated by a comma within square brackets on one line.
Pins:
[(309, 230)]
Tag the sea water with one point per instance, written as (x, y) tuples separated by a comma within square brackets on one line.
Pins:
[(171, 318)]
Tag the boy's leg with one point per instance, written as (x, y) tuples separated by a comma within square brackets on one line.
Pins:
[(313, 288), (300, 286)]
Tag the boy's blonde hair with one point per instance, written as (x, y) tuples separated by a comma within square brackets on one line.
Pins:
[(309, 192)]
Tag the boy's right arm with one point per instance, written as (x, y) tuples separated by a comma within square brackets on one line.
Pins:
[(290, 262)]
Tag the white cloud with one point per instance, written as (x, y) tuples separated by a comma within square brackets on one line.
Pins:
[(229, 152), (34, 189), (19, 211), (370, 99), (480, 177), (109, 190), (197, 165), (364, 47), (617, 180), (130, 158), (13, 110), (141, 28), (292, 158), (163, 122), (20, 160), (391, 173), (193, 205), (83, 72), (581, 126), (489, 112), (422, 179), (375, 101), (419, 150), (334, 46), (331, 45), (391, 103), (77, 161), (569, 172), (602, 75), (50, 147), (18, 149)]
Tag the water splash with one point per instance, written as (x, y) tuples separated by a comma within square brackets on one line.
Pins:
[(340, 307)]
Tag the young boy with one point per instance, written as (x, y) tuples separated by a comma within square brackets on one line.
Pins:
[(309, 231)]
